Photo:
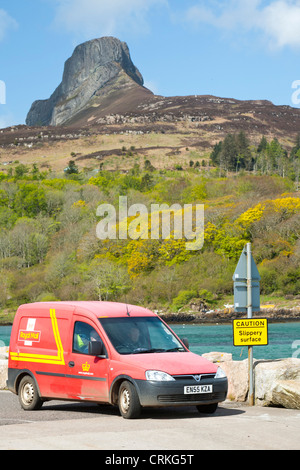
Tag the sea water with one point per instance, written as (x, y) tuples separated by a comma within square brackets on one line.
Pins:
[(4, 335), (284, 340)]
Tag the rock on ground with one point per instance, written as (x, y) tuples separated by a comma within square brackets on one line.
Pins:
[(277, 383)]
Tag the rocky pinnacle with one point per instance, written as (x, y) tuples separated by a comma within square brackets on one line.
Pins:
[(92, 66)]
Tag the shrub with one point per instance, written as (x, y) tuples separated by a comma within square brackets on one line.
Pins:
[(47, 297), (269, 280), (182, 299)]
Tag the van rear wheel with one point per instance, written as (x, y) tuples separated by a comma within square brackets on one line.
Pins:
[(129, 403), (28, 394)]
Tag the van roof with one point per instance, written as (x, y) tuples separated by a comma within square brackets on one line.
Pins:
[(98, 308)]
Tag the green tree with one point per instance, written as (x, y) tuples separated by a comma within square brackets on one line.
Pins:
[(29, 242), (72, 168), (275, 152), (244, 157), (263, 145), (295, 150), (20, 171), (215, 155), (109, 279), (30, 200), (146, 182), (148, 166), (229, 153)]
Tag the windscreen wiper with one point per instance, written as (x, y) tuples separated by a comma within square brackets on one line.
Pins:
[(175, 349), (146, 351)]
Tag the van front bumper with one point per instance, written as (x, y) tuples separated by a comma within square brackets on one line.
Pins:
[(172, 393)]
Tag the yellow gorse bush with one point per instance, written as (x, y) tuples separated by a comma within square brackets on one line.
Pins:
[(250, 216), (286, 204)]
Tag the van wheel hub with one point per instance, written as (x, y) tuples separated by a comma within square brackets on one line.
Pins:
[(125, 400), (28, 393)]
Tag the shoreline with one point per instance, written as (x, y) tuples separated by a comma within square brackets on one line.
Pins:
[(197, 321), (224, 317), (279, 315), (226, 322)]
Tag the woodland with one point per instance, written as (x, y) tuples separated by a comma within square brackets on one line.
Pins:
[(49, 249)]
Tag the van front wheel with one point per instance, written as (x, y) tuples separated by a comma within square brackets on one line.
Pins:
[(129, 403), (28, 394)]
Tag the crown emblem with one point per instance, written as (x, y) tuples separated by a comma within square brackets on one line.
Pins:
[(86, 367)]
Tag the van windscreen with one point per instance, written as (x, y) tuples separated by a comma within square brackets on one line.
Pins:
[(140, 335)]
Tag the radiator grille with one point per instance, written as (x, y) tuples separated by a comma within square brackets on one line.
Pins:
[(194, 377), (180, 398)]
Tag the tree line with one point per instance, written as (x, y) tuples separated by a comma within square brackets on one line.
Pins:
[(49, 249), (235, 153)]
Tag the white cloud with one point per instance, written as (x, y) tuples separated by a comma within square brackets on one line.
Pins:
[(6, 23), (103, 17), (279, 21), (228, 14)]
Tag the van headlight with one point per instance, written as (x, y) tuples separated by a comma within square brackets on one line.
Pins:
[(220, 374), (158, 376)]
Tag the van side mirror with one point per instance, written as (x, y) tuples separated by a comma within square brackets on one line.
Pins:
[(96, 348), (185, 341)]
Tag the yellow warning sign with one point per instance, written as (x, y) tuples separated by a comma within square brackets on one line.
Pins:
[(250, 332)]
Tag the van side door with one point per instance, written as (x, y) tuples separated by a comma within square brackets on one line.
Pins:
[(87, 374)]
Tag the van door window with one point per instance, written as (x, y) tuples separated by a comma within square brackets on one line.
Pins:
[(83, 334)]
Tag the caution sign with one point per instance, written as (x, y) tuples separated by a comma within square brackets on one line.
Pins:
[(250, 332)]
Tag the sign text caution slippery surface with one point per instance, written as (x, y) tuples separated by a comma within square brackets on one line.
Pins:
[(250, 332)]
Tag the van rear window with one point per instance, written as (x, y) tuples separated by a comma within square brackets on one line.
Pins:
[(140, 335)]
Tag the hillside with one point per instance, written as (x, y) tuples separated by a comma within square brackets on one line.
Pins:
[(241, 159), (102, 95), (157, 131), (49, 248)]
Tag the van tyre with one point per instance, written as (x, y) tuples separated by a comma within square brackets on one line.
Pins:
[(129, 403), (28, 394)]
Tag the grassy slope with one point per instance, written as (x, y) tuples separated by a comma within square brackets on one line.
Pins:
[(69, 249)]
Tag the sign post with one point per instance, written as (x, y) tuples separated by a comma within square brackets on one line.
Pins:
[(249, 315), (247, 300)]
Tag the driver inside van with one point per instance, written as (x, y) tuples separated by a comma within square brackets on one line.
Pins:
[(134, 338), (134, 335), (82, 335)]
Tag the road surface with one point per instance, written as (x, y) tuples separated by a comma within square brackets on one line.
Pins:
[(70, 426)]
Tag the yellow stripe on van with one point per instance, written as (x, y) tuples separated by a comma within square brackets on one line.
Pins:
[(41, 358)]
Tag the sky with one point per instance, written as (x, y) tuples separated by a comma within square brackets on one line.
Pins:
[(242, 49)]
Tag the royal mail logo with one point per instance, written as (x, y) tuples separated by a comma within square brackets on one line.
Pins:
[(86, 367), (33, 336)]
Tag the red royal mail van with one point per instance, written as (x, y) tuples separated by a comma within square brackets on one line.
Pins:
[(106, 352)]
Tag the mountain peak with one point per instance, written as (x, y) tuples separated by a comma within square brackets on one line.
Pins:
[(93, 66)]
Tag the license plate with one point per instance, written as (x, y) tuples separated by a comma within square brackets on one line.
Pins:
[(193, 389)]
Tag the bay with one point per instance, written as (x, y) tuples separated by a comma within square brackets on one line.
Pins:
[(5, 335), (284, 340)]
